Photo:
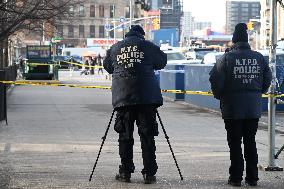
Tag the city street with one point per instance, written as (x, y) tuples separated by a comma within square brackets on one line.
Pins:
[(54, 135)]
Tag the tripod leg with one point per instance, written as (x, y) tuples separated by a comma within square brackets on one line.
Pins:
[(104, 138), (279, 152), (167, 137)]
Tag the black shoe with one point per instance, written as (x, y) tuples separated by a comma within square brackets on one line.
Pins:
[(234, 183), (149, 179), (251, 183), (123, 177)]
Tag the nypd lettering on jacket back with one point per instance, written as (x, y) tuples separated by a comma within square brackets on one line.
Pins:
[(246, 70), (129, 55)]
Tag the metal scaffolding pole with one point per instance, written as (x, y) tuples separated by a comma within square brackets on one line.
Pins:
[(272, 166)]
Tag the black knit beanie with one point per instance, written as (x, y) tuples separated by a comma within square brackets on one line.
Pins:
[(240, 34), (138, 29)]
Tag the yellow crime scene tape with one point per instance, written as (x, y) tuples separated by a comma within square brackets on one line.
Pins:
[(40, 64), (57, 84), (77, 64), (58, 64), (54, 84)]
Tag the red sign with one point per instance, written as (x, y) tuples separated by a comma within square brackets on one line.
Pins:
[(98, 42), (153, 13)]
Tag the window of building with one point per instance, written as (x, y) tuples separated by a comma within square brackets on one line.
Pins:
[(59, 30), (112, 11), (245, 5), (245, 9), (71, 10), (101, 11), (93, 11), (92, 31), (126, 12), (168, 4), (255, 10), (255, 5), (70, 31), (81, 10), (101, 31), (111, 33), (81, 31)]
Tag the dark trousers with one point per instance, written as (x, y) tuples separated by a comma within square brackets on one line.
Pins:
[(145, 117), (100, 70), (236, 130)]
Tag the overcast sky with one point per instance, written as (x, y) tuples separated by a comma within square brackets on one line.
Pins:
[(208, 10)]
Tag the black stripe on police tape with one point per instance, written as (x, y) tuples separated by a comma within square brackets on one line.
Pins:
[(59, 64), (108, 88)]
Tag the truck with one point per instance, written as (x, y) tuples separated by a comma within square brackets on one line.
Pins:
[(39, 64)]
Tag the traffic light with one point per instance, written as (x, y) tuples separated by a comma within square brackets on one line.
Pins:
[(250, 26), (156, 23)]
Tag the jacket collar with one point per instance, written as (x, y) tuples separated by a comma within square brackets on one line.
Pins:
[(241, 45), (133, 33)]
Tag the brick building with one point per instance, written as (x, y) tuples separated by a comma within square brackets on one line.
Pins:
[(90, 19)]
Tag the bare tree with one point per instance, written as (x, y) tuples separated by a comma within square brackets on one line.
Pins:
[(18, 15)]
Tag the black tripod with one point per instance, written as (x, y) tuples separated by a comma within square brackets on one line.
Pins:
[(279, 152), (104, 138), (167, 137)]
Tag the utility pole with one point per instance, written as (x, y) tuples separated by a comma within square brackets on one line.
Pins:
[(272, 166), (107, 32), (130, 13)]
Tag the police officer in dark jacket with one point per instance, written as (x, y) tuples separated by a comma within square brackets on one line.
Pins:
[(136, 94), (238, 81)]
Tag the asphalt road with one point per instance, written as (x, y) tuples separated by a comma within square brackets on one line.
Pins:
[(54, 135)]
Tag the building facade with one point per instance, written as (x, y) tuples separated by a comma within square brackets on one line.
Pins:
[(171, 13), (265, 24), (202, 25), (92, 19), (187, 25), (240, 11)]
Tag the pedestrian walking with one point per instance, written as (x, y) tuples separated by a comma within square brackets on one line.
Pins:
[(71, 66), (21, 66), (238, 80), (92, 63), (86, 67), (136, 95), (100, 63)]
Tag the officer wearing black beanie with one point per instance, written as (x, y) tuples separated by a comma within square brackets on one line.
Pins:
[(238, 80), (136, 95), (240, 34)]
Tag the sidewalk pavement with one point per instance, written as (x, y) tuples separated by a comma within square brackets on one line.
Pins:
[(54, 135), (75, 77)]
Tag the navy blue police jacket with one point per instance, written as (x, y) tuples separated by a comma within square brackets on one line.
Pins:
[(238, 80), (132, 62)]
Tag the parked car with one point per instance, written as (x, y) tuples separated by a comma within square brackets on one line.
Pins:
[(211, 58), (176, 57), (198, 53)]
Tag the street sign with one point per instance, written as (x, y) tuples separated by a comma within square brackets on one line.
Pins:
[(107, 27), (121, 19), (56, 39)]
